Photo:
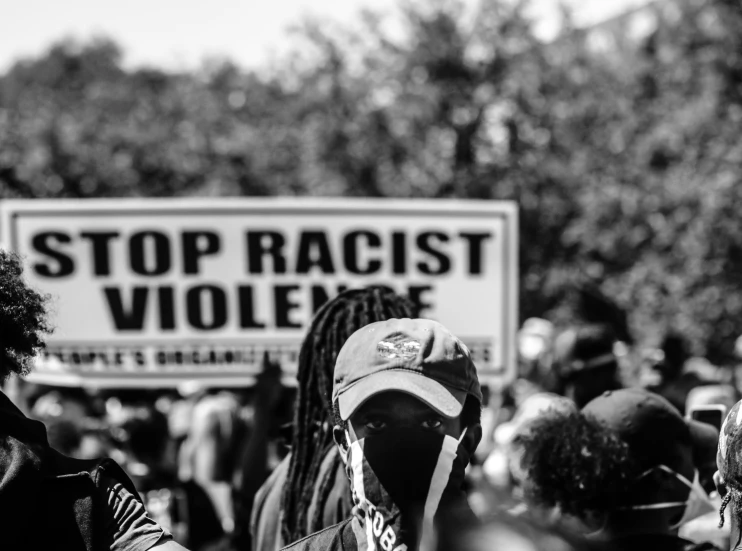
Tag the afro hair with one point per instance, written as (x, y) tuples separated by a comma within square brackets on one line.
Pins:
[(577, 465), (23, 322)]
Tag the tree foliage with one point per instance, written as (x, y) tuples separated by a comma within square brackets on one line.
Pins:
[(619, 142)]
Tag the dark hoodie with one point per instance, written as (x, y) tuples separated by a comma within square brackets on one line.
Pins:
[(47, 500)]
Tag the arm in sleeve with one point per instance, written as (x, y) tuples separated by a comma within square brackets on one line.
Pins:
[(127, 526)]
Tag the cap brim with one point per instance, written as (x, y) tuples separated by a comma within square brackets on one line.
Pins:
[(447, 402)]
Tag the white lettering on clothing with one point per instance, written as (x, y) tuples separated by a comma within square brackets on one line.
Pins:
[(378, 524), (388, 538)]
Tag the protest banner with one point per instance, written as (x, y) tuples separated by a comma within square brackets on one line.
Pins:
[(154, 292)]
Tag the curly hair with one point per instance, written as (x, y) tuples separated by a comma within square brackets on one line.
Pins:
[(23, 322), (577, 465)]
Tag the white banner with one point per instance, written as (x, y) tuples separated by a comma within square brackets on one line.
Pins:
[(154, 292)]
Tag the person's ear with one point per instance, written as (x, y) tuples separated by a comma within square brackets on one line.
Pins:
[(338, 434), (472, 438), (721, 487)]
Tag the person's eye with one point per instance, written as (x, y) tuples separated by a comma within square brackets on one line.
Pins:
[(375, 424), (432, 423)]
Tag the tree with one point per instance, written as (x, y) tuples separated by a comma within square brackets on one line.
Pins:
[(619, 146)]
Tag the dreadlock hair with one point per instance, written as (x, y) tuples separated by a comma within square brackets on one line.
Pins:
[(337, 320), (22, 318)]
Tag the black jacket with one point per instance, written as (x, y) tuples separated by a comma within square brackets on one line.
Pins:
[(48, 500)]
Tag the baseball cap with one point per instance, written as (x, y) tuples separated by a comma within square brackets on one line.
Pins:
[(654, 430), (417, 356)]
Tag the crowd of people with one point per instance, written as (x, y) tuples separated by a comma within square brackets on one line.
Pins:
[(389, 442)]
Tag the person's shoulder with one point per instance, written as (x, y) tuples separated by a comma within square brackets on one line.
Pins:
[(64, 467), (335, 504), (329, 539), (267, 498), (275, 481), (61, 465), (266, 511), (225, 401)]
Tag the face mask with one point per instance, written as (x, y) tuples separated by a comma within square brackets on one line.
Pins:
[(398, 479), (697, 505)]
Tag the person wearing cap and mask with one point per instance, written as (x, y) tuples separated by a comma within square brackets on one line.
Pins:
[(585, 363), (627, 467), (309, 491), (407, 402)]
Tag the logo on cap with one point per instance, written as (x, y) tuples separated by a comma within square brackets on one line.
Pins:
[(398, 346)]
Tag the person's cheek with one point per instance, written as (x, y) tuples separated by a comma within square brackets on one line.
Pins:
[(450, 427)]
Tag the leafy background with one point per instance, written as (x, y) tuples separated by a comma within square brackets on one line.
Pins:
[(620, 142)]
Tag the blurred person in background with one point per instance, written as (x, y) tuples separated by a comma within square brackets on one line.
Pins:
[(407, 403), (72, 429), (534, 358), (675, 384), (95, 440), (48, 500), (626, 469), (533, 373), (309, 490), (657, 435), (59, 405), (258, 457), (585, 362), (534, 341), (211, 452), (183, 508)]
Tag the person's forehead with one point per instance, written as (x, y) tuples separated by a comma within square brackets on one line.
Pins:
[(392, 401)]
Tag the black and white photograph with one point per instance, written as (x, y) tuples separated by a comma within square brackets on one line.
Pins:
[(371, 275)]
